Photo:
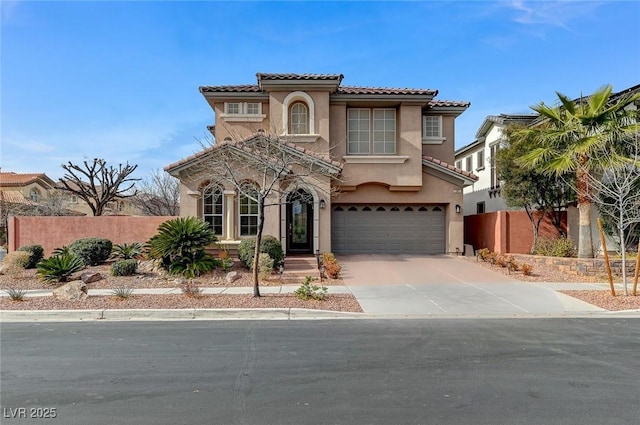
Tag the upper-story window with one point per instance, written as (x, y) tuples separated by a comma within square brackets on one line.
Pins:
[(480, 160), (243, 111), (371, 131), (469, 161), (495, 182), (459, 164), (298, 118), (432, 129)]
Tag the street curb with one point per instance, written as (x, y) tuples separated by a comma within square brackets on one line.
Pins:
[(10, 316)]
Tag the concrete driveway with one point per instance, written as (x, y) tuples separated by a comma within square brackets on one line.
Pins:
[(447, 286)]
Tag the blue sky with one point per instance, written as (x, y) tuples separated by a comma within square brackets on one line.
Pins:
[(119, 80)]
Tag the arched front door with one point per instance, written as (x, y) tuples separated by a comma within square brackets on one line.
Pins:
[(299, 222)]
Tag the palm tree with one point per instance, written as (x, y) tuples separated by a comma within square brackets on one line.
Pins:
[(581, 137)]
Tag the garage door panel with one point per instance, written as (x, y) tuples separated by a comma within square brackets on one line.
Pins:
[(409, 229)]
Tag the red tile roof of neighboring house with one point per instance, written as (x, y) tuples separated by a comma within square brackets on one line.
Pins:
[(14, 197), (450, 167), (16, 179)]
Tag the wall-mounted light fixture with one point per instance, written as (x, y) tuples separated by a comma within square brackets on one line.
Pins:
[(458, 208), (322, 204)]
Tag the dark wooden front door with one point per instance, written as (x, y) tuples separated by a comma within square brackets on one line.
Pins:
[(299, 223)]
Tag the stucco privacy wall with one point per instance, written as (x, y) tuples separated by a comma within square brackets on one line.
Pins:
[(505, 231), (55, 232)]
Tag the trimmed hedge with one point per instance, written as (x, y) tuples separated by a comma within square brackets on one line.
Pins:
[(36, 253), (92, 251)]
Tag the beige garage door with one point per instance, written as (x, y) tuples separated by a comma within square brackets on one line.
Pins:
[(388, 229)]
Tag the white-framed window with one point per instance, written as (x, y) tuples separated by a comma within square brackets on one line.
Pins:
[(432, 129), (459, 164), (469, 163), (371, 131), (242, 108), (248, 211), (480, 160), (299, 118), (213, 207), (243, 112)]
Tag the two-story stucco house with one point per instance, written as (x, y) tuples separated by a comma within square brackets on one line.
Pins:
[(479, 158), (393, 150)]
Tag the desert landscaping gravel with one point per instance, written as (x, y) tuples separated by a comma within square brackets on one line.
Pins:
[(149, 278)]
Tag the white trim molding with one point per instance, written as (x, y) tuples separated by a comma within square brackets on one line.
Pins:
[(298, 96)]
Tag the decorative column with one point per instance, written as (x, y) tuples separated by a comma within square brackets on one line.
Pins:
[(229, 215)]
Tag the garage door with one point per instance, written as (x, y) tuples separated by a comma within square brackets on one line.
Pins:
[(388, 229)]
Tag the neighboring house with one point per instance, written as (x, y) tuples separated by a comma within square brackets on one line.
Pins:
[(479, 158), (119, 206), (392, 148), (25, 188)]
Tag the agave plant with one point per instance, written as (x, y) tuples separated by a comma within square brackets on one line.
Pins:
[(180, 244), (59, 267), (127, 251), (61, 251)]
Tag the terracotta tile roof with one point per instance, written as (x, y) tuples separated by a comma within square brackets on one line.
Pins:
[(450, 167), (14, 197), (247, 88), (15, 179), (239, 144), (385, 91), (298, 77), (449, 103)]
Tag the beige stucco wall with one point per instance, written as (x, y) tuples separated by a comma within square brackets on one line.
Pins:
[(238, 130), (444, 151)]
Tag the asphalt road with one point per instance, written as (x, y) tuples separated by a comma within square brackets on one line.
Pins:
[(522, 371)]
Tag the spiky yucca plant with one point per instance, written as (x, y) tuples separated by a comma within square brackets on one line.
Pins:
[(59, 267)]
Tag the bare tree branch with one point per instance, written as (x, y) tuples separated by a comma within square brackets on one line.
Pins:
[(158, 195), (98, 184)]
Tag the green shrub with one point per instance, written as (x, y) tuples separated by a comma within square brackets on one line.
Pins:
[(127, 267), (36, 253), (58, 268), (560, 247), (308, 291), (92, 251), (127, 251), (268, 245)]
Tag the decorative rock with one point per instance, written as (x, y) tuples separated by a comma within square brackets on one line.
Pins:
[(72, 291), (90, 277), (232, 277)]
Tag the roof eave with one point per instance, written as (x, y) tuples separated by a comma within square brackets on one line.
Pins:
[(466, 181)]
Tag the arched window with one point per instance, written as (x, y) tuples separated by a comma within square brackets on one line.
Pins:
[(34, 195), (212, 207), (248, 207), (299, 118)]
